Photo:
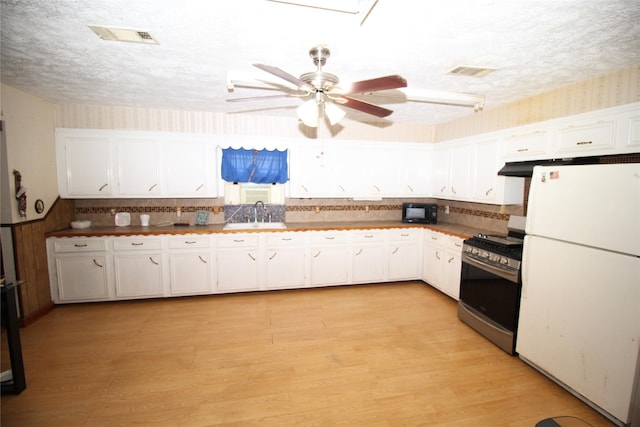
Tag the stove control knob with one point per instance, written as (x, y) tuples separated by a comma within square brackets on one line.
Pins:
[(484, 254), (504, 260), (475, 251)]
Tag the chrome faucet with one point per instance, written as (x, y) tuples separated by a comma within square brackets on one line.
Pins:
[(255, 211)]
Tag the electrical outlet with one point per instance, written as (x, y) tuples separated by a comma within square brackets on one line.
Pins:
[(446, 210), (178, 211)]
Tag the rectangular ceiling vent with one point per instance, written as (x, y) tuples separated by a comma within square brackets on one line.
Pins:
[(130, 35), (470, 71)]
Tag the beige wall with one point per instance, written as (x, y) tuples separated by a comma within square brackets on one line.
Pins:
[(607, 90), (29, 132)]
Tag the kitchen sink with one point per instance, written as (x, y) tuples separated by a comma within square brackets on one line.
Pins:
[(254, 225)]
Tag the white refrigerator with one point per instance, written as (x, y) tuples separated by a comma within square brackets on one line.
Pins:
[(579, 319)]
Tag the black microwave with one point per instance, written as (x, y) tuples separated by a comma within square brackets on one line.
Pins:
[(421, 213)]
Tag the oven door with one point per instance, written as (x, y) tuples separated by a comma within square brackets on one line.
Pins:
[(489, 301)]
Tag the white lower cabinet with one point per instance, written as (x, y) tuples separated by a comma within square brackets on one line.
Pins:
[(147, 266), (191, 266), (329, 256), (138, 263), (403, 254), (441, 262), (285, 260), (80, 270), (368, 256), (238, 263)]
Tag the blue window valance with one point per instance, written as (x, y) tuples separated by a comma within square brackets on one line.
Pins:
[(259, 166)]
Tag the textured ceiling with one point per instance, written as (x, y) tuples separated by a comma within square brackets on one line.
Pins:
[(536, 45)]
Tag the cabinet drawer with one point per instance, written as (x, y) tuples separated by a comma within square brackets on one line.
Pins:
[(596, 136), (79, 245), (330, 238), (404, 234), (187, 242), (434, 237), (280, 239), (238, 240), (368, 236), (128, 244), (454, 243)]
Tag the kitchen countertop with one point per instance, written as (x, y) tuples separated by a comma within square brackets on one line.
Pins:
[(135, 230)]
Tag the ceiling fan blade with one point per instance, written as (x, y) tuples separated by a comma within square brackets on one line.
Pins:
[(365, 107), (372, 85), (285, 76)]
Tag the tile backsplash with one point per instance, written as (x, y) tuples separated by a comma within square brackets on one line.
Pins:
[(164, 211)]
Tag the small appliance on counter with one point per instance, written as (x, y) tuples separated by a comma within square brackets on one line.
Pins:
[(123, 219), (420, 213)]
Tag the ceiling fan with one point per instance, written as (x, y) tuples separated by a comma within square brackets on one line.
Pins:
[(324, 95)]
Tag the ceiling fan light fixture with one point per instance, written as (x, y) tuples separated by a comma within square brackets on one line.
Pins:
[(333, 113), (308, 113)]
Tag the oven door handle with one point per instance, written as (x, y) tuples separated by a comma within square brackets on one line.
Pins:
[(511, 276)]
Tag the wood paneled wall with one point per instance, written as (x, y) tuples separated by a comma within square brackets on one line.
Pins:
[(29, 242)]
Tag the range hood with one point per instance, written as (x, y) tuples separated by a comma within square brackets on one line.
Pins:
[(525, 169)]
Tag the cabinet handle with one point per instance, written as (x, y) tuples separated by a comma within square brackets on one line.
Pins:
[(317, 255), (395, 251), (437, 255), (486, 193), (410, 188), (136, 244), (152, 187), (202, 259), (453, 190), (251, 256), (329, 238), (368, 236), (153, 261), (359, 252), (80, 245), (442, 189), (522, 150), (96, 263), (238, 240), (103, 187), (434, 238), (200, 187), (450, 259), (273, 256), (341, 187), (286, 239), (304, 188), (459, 245), (584, 142), (189, 242), (377, 188)]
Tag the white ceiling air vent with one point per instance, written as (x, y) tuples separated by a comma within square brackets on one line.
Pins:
[(470, 71), (123, 34)]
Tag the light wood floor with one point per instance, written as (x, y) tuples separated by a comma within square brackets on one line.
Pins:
[(374, 355)]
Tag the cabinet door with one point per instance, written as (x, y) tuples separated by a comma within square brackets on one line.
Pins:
[(238, 269), (82, 278), (460, 168), (404, 263), (329, 265), (452, 269), (138, 275), (441, 172), (190, 273), (368, 263), (138, 167), (285, 267), (312, 171), (528, 146), (86, 170), (433, 259), (590, 139), (189, 169)]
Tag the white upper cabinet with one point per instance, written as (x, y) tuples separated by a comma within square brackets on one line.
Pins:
[(84, 166), (311, 171), (528, 145), (190, 168), (94, 163), (488, 187), (139, 166)]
